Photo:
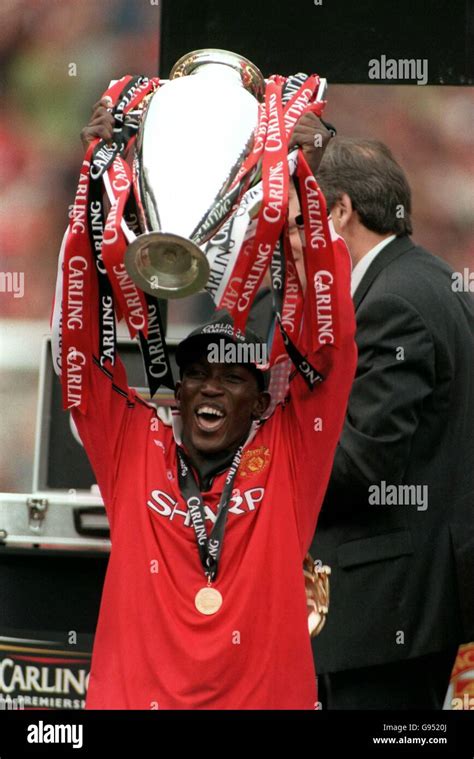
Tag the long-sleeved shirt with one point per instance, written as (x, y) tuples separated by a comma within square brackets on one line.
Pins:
[(153, 649)]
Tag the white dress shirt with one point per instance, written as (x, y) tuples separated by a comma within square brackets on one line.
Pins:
[(361, 267)]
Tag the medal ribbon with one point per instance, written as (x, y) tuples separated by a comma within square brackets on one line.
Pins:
[(209, 547)]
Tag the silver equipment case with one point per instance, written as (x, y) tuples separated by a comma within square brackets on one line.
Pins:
[(65, 511)]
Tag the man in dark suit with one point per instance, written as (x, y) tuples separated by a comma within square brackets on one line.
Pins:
[(397, 524)]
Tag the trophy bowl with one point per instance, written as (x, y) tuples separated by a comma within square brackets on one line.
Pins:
[(195, 133)]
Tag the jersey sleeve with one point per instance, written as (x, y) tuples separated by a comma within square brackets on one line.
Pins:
[(312, 420), (103, 427)]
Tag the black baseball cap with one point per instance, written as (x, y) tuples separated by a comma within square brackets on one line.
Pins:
[(221, 327)]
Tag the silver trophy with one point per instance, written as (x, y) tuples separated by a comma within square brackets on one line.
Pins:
[(195, 134)]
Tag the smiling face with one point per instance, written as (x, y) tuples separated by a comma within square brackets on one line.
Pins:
[(218, 403)]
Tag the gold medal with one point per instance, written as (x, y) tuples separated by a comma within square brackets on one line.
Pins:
[(208, 600)]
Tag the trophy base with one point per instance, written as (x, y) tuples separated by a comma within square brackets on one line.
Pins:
[(166, 265)]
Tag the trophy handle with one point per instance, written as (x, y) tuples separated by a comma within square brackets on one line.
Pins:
[(317, 593)]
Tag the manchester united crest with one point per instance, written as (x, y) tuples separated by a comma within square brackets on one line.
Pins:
[(254, 461)]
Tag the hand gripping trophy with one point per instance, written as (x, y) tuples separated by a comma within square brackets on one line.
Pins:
[(185, 186)]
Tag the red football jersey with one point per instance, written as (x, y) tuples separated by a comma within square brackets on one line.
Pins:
[(153, 649)]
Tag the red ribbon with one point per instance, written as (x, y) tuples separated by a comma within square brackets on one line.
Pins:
[(274, 208), (79, 328), (254, 258), (321, 287), (130, 298), (75, 347)]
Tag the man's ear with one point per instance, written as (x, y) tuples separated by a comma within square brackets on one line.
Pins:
[(177, 393), (261, 404), (343, 210)]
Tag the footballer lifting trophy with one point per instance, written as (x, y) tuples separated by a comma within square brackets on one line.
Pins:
[(195, 134)]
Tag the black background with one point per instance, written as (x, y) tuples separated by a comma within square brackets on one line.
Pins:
[(336, 39)]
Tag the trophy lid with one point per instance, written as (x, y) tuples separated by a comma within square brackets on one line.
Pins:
[(251, 76)]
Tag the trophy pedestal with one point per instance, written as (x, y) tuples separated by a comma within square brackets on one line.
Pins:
[(166, 265)]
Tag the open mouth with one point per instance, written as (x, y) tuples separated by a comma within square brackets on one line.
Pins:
[(209, 418)]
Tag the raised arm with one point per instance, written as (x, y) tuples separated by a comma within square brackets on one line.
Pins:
[(312, 420), (102, 424)]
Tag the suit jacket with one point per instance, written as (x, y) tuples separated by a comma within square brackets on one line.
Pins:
[(402, 582)]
